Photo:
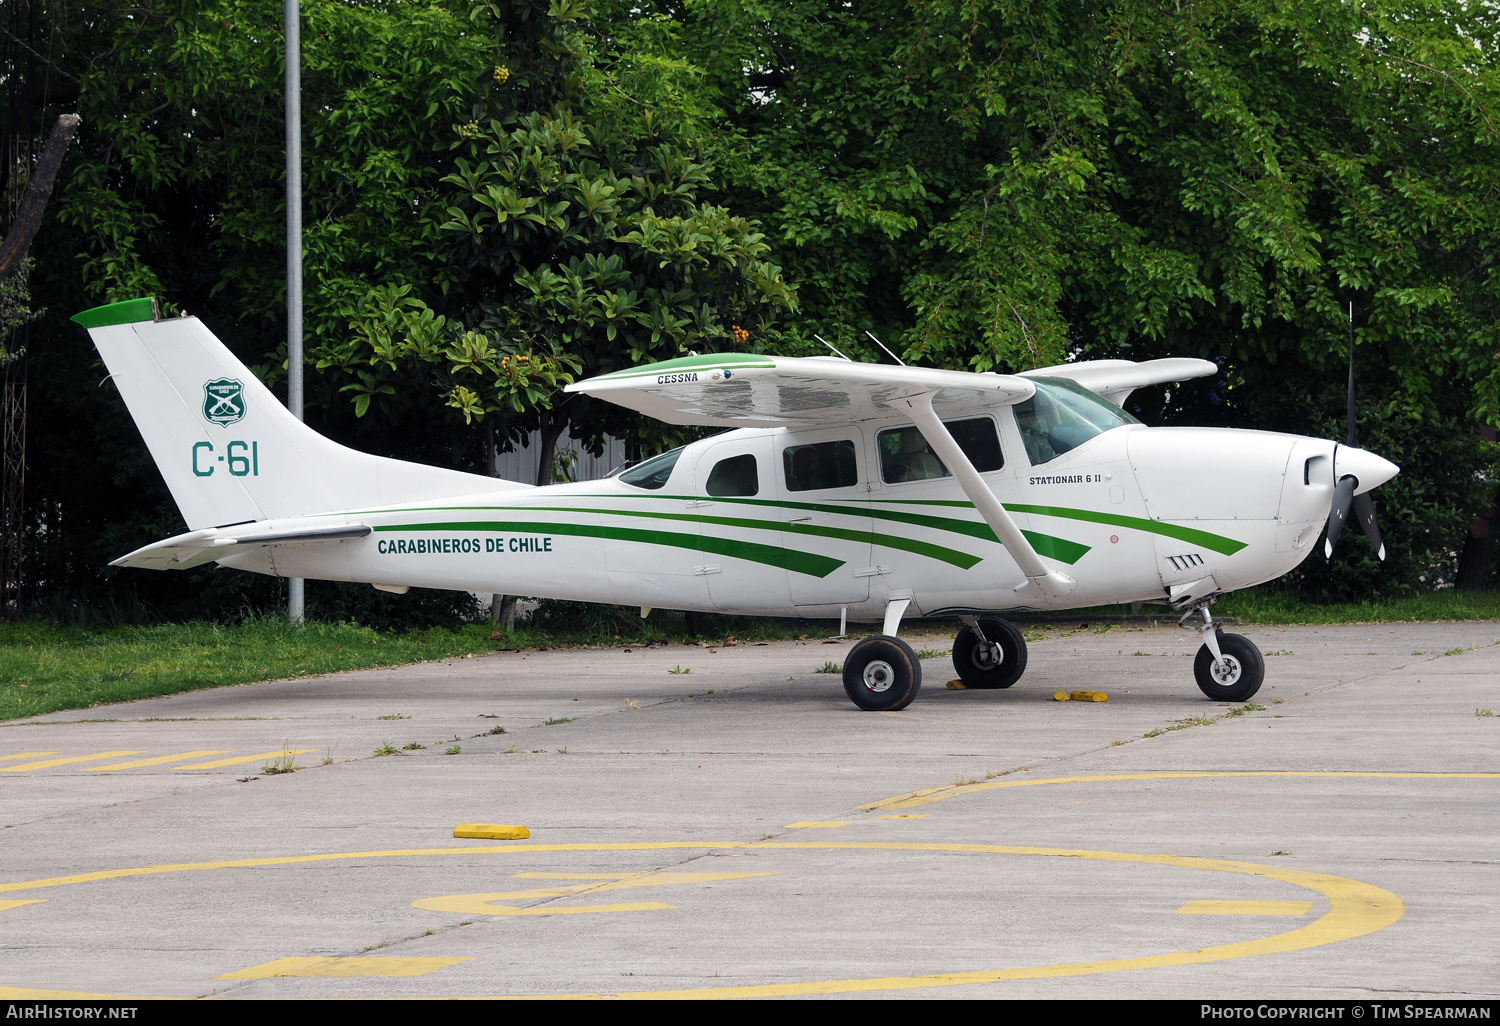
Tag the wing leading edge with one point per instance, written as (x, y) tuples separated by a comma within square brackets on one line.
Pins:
[(1116, 379), (750, 390)]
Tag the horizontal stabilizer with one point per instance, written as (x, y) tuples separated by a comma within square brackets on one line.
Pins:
[(198, 547), (1116, 379), (751, 390)]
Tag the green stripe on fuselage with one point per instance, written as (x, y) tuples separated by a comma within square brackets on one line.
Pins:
[(809, 563), (1209, 540), (963, 560)]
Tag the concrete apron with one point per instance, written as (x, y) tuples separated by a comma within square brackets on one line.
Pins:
[(743, 830)]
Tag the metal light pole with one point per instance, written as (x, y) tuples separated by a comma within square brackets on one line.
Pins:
[(295, 593)]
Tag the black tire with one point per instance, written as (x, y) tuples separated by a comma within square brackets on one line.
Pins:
[(1245, 673), (975, 665), (882, 674)]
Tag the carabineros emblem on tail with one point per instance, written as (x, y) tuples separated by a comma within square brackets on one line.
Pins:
[(224, 401)]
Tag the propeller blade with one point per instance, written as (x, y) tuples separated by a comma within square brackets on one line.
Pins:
[(1364, 512), (1338, 516)]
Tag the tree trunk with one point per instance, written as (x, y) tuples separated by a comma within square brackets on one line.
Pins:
[(550, 429), (1478, 555), (38, 191)]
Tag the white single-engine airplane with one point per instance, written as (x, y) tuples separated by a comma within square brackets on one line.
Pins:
[(848, 489)]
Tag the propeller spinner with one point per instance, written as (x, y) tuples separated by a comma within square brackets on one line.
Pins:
[(1356, 472)]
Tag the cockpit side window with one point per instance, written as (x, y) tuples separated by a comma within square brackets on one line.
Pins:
[(653, 474), (736, 475), (1062, 416)]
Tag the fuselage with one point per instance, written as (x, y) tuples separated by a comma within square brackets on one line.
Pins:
[(779, 520)]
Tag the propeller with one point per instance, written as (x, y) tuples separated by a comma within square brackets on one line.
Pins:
[(1344, 499)]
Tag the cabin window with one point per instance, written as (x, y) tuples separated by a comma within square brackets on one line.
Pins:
[(654, 472), (735, 476), (820, 465), (906, 456), (1062, 416)]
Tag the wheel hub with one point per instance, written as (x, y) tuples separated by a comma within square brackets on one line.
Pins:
[(879, 675), (986, 656), (1226, 671)]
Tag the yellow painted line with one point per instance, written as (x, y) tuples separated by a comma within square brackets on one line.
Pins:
[(241, 760), (47, 763), (1205, 907), (18, 902), (33, 994), (1355, 908), (827, 824), (150, 762), (937, 794), (25, 755), (344, 967), (482, 904)]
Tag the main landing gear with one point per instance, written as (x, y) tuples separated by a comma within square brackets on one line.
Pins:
[(883, 674), (1228, 668), (989, 653)]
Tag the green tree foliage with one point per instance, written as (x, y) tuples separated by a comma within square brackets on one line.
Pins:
[(571, 235)]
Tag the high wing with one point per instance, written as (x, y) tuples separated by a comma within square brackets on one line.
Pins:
[(750, 390), (198, 547), (1116, 379)]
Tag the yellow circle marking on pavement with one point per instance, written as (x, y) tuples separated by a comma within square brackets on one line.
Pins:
[(938, 794), (1354, 908)]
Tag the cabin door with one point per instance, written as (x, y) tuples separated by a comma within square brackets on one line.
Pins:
[(823, 478), (740, 533)]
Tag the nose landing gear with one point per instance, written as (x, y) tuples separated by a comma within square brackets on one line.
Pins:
[(1228, 668)]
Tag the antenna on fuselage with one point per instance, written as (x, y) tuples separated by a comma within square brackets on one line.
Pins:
[(829, 344), (892, 355)]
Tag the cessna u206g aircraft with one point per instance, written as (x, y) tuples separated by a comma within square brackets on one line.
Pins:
[(856, 489)]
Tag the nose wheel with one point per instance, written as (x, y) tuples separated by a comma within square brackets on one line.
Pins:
[(989, 653), (1237, 672)]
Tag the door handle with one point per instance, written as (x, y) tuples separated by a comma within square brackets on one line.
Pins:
[(799, 520)]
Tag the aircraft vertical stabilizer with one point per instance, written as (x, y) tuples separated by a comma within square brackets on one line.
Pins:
[(229, 450)]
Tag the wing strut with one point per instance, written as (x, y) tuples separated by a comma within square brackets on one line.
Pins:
[(1049, 582)]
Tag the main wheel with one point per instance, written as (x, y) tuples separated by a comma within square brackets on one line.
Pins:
[(998, 664), (882, 673), (1238, 677)]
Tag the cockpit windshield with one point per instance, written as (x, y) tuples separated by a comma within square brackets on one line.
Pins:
[(1062, 416), (654, 472)]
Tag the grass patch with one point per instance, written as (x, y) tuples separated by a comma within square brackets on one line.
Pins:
[(1270, 607), (47, 668), (560, 719), (283, 763), (829, 667)]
